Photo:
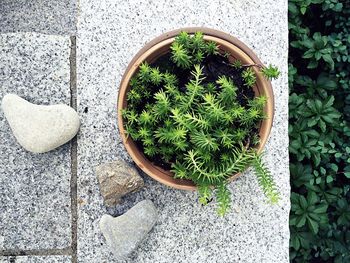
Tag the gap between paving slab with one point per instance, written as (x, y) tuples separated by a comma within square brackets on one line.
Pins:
[(36, 252), (74, 145), (35, 259)]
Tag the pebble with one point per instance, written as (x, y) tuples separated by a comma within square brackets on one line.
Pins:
[(117, 179), (40, 128), (124, 233)]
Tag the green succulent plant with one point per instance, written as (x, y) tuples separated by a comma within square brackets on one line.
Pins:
[(201, 130)]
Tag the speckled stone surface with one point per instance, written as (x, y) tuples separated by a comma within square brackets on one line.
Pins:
[(109, 35), (35, 188), (44, 16), (36, 259)]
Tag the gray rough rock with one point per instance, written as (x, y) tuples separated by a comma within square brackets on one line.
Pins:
[(40, 128), (116, 179), (124, 233)]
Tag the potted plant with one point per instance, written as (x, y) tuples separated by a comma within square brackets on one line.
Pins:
[(195, 110)]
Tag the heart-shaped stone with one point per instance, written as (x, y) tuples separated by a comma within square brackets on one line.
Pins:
[(40, 128), (124, 233)]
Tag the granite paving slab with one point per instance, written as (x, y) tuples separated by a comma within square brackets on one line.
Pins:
[(44, 16), (109, 34), (36, 259), (34, 188)]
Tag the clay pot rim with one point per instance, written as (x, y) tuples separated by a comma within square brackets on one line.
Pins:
[(152, 170)]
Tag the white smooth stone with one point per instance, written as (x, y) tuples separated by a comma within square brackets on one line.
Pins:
[(40, 128)]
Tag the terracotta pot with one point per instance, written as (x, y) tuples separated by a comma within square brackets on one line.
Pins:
[(157, 48)]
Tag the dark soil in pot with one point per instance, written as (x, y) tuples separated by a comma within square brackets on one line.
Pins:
[(214, 66)]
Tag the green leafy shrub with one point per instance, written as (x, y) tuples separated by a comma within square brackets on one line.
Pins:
[(201, 129), (319, 130)]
